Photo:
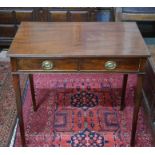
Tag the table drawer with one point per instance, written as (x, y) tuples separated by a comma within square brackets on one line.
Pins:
[(107, 64), (81, 64), (47, 64)]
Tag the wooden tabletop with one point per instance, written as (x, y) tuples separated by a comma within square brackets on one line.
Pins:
[(78, 39)]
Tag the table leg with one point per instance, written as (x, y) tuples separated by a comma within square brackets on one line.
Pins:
[(137, 104), (124, 84), (16, 83), (32, 92)]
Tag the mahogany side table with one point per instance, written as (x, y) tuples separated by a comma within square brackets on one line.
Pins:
[(42, 47)]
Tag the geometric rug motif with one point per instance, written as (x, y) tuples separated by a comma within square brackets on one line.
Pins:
[(95, 121), (87, 138), (84, 99)]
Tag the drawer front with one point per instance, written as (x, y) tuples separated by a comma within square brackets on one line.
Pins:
[(79, 16), (81, 64), (115, 65), (7, 30), (24, 15), (58, 16), (7, 17), (42, 64)]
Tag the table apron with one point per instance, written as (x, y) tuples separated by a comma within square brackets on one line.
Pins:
[(76, 65)]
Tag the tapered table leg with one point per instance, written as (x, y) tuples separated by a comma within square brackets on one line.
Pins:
[(137, 104), (16, 83), (125, 79), (32, 92)]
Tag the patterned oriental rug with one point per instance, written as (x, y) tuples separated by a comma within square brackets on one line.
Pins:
[(7, 103), (81, 110)]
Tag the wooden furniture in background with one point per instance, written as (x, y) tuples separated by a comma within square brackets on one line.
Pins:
[(10, 18), (135, 14), (144, 16), (83, 47)]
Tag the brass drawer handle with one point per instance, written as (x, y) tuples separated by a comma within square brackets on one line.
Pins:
[(110, 65), (47, 65)]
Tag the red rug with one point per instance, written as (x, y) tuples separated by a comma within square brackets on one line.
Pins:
[(81, 110)]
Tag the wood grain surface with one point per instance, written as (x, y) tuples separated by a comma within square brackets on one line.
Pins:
[(78, 39)]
